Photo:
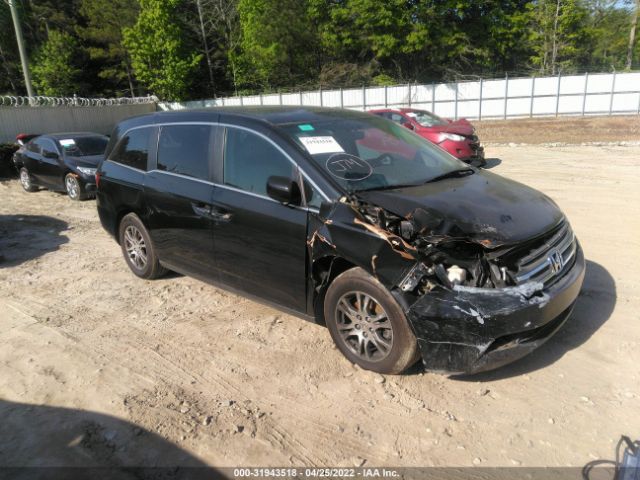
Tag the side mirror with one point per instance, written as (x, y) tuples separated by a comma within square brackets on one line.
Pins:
[(46, 154), (409, 126), (284, 190)]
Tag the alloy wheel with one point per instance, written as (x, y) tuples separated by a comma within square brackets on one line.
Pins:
[(73, 188), (136, 247), (364, 326), (25, 179)]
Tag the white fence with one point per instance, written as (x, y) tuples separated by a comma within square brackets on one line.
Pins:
[(588, 94)]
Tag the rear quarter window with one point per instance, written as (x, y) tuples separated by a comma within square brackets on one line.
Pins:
[(133, 149)]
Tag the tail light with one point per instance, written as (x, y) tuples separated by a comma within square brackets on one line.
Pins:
[(98, 174)]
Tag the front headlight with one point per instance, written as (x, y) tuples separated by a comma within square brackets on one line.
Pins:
[(452, 136), (87, 171)]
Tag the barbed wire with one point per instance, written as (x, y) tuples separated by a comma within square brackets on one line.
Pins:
[(42, 101)]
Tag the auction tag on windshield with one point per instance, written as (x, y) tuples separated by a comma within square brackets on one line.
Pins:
[(316, 145), (67, 142)]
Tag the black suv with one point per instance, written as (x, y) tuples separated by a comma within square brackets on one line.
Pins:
[(346, 219)]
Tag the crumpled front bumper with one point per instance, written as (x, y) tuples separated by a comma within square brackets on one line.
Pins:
[(470, 330)]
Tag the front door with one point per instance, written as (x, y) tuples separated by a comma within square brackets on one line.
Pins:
[(51, 171), (178, 193), (260, 244)]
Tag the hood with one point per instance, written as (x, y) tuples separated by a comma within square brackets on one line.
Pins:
[(90, 161), (483, 207), (461, 127)]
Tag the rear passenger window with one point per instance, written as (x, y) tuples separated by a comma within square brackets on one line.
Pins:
[(249, 160), (133, 149), (184, 149)]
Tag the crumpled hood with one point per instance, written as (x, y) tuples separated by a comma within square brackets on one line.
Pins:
[(483, 207)]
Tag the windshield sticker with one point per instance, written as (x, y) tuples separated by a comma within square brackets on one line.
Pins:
[(306, 127), (412, 115), (67, 142), (348, 167), (316, 145)]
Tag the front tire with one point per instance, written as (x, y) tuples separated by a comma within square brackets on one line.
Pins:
[(74, 187), (25, 180), (367, 324), (138, 249)]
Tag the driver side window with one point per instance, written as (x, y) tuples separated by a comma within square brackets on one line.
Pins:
[(249, 161), (49, 150)]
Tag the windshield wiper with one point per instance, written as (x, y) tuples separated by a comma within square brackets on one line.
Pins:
[(388, 187), (452, 174)]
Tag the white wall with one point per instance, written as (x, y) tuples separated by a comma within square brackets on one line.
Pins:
[(15, 120), (589, 94)]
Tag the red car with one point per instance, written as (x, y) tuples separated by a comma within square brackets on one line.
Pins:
[(456, 137)]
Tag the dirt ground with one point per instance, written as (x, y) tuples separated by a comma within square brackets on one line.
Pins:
[(571, 130), (98, 367)]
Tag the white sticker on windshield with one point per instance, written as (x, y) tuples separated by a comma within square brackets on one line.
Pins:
[(316, 145), (67, 142), (412, 115)]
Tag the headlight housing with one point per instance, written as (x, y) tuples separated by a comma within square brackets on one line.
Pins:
[(451, 136), (87, 171)]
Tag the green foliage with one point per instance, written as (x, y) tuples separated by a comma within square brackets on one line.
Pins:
[(55, 68), (560, 35), (102, 36), (277, 45), (181, 49), (157, 53)]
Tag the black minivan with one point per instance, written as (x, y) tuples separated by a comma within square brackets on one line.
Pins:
[(348, 220)]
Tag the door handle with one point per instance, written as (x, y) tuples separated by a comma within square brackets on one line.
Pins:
[(220, 215), (201, 209)]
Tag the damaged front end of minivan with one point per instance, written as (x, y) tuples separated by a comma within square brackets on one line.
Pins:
[(475, 301)]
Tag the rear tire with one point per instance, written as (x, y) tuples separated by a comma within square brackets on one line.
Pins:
[(138, 249), (26, 181), (368, 325)]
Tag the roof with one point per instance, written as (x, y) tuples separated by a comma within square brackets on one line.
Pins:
[(275, 115), (62, 135)]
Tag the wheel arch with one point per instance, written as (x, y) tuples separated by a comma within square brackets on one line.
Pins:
[(118, 220), (323, 271)]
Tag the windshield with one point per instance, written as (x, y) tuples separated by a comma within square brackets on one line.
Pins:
[(371, 153), (84, 146), (427, 119)]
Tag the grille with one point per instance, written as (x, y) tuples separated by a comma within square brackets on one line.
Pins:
[(550, 260)]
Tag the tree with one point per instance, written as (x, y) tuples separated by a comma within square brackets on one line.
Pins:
[(55, 67), (277, 43), (155, 45), (559, 34), (9, 73), (370, 33), (102, 34), (608, 25), (215, 24), (632, 35)]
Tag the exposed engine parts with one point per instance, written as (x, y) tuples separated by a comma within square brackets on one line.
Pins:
[(440, 259)]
